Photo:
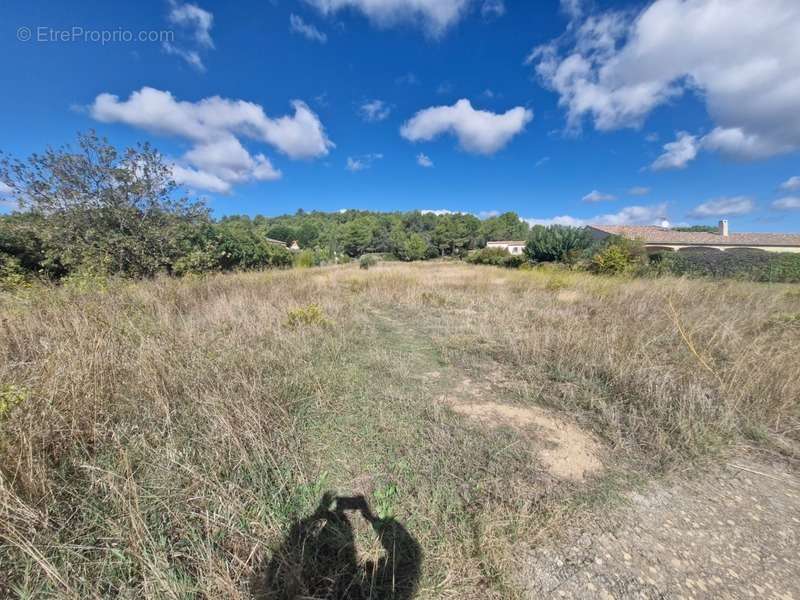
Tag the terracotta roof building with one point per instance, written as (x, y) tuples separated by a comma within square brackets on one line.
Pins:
[(664, 238)]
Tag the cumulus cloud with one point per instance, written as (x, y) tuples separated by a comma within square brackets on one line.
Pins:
[(439, 212), (297, 25), (214, 126), (742, 57), (360, 163), (423, 160), (721, 207), (199, 180), (597, 196), (478, 131), (198, 23), (791, 185), (434, 16), (630, 215), (788, 203), (373, 111), (677, 154), (639, 191)]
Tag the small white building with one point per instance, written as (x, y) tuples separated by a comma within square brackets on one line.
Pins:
[(512, 247)]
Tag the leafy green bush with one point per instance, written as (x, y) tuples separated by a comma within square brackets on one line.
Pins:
[(496, 257), (305, 259), (11, 274), (367, 261), (618, 255), (556, 242)]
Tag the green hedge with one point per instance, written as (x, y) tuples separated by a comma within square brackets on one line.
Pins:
[(495, 256), (736, 263)]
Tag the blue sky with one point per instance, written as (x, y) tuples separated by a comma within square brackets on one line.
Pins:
[(571, 111)]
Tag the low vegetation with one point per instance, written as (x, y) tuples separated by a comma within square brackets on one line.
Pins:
[(158, 439)]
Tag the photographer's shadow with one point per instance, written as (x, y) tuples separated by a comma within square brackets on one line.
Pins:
[(318, 558)]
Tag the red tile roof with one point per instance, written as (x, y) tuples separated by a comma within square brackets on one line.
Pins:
[(661, 235)]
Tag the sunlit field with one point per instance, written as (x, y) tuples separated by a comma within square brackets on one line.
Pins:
[(162, 439)]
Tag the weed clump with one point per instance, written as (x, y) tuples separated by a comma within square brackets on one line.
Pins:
[(367, 261), (10, 396), (307, 316)]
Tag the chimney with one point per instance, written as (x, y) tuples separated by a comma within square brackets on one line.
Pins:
[(723, 227)]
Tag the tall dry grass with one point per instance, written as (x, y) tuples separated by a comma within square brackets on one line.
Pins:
[(163, 436)]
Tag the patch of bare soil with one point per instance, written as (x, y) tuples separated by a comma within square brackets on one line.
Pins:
[(732, 533), (567, 451)]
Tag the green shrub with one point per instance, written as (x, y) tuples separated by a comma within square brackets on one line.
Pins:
[(737, 263), (305, 259), (12, 276), (494, 256), (556, 243), (612, 260), (311, 315), (196, 262), (617, 255), (367, 261)]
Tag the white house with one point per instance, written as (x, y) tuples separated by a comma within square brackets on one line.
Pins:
[(512, 247)]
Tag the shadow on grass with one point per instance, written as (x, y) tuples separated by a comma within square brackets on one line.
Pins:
[(318, 558)]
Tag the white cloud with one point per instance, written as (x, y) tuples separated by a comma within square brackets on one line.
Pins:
[(677, 154), (630, 215), (488, 214), (597, 196), (190, 56), (480, 132), (741, 57), (639, 191), (297, 25), (198, 22), (423, 160), (360, 163), (227, 159), (435, 16), (792, 184), (542, 161), (373, 111), (573, 8), (788, 203), (199, 180), (299, 136), (195, 18), (721, 207), (5, 190), (214, 126), (441, 212), (561, 220), (493, 9)]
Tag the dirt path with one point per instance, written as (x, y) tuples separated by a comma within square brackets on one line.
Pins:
[(729, 534)]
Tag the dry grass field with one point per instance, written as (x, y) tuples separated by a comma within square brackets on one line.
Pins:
[(162, 439)]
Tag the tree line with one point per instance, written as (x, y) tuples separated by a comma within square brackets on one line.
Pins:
[(98, 209)]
